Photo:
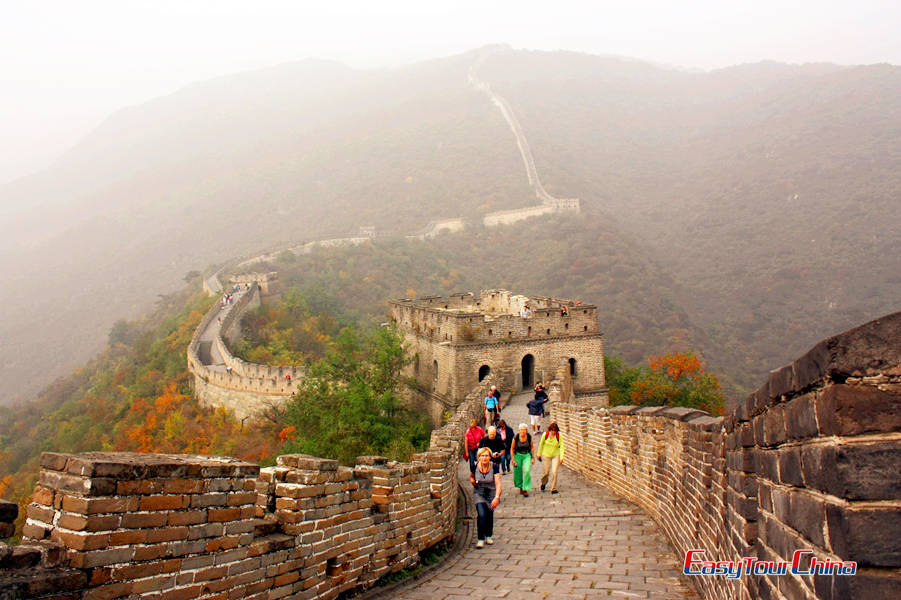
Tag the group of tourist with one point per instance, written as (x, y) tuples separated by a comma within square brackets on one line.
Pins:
[(492, 450)]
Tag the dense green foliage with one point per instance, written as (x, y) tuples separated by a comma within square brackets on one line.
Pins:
[(350, 404), (293, 330)]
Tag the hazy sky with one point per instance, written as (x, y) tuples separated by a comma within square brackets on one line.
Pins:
[(65, 65)]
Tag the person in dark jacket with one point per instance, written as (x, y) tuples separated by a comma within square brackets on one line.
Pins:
[(536, 407), (506, 433), (493, 442)]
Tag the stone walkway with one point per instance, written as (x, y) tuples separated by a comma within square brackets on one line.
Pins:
[(581, 543)]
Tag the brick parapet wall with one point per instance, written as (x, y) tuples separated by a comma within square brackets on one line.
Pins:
[(249, 385), (459, 320), (809, 461), (174, 527)]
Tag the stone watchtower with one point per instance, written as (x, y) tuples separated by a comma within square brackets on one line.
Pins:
[(460, 340)]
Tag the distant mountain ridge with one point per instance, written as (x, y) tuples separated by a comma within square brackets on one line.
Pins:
[(698, 171)]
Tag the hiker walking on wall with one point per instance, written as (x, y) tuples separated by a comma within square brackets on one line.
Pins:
[(505, 432), (550, 452), (495, 444), (492, 406), (523, 459), (474, 435), (536, 407), (487, 492)]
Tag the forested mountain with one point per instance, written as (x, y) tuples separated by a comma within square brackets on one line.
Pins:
[(758, 205)]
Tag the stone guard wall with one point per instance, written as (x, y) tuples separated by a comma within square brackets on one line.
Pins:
[(811, 460), (177, 527), (249, 387)]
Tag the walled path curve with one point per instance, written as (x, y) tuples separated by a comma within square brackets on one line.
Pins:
[(583, 543), (213, 330)]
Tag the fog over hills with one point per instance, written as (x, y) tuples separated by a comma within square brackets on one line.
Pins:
[(767, 196)]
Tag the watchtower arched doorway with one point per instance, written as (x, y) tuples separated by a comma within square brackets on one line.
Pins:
[(484, 371), (528, 371)]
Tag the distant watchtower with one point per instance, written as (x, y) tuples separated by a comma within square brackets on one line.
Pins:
[(460, 340)]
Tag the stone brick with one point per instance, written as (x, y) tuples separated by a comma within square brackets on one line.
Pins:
[(854, 471), (223, 514), (790, 466), (801, 418), (169, 502), (774, 430), (781, 381), (144, 520), (854, 410), (98, 558), (870, 536), (92, 506)]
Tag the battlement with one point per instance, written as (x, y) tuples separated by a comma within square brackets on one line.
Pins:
[(116, 525), (244, 388), (493, 316), (459, 340)]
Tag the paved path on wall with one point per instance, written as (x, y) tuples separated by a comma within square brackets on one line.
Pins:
[(212, 332), (581, 543)]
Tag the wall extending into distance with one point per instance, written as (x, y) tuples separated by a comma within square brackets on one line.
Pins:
[(249, 388), (809, 461)]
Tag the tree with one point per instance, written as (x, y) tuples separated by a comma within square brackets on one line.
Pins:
[(676, 379), (350, 403)]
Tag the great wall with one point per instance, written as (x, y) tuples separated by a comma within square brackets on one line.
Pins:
[(808, 462), (224, 380)]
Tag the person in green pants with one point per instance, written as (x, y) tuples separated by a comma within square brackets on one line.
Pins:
[(523, 459)]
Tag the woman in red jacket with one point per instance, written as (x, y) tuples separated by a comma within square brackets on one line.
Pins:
[(474, 435)]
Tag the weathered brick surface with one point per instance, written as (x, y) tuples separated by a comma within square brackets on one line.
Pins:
[(809, 461), (115, 525)]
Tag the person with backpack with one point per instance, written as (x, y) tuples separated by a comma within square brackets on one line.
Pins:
[(474, 436), (551, 448), (523, 459), (492, 407)]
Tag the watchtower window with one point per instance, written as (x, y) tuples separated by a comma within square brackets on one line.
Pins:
[(490, 332), (584, 327), (566, 326), (549, 331), (484, 371), (572, 367), (529, 331), (435, 370)]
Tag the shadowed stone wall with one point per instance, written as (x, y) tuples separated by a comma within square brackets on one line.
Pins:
[(809, 461)]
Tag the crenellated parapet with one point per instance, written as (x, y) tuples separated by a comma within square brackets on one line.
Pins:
[(808, 462), (222, 379), (460, 339), (116, 525)]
